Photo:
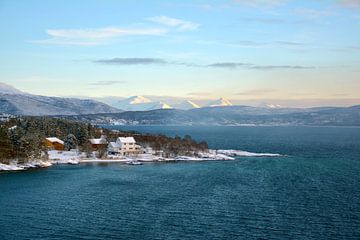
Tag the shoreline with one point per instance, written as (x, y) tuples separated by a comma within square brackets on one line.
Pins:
[(74, 158)]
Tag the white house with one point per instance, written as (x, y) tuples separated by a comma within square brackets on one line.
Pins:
[(124, 146)]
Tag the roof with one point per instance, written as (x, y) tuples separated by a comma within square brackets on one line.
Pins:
[(126, 140), (114, 144), (54, 139), (98, 141)]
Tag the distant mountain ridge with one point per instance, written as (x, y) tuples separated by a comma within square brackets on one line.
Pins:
[(232, 115), (16, 102)]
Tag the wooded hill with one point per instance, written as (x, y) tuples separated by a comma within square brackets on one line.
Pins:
[(22, 138)]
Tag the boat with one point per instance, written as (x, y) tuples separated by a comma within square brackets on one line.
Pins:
[(133, 163), (72, 162)]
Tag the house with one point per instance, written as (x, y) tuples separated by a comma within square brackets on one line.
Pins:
[(54, 143), (125, 146), (98, 143)]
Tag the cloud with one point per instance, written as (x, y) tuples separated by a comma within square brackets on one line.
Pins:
[(175, 22), (268, 44), (228, 65), (264, 20), (346, 49), (259, 3), (106, 83), (313, 13), (95, 36), (234, 65), (253, 44), (273, 67), (350, 3), (257, 92), (132, 61)]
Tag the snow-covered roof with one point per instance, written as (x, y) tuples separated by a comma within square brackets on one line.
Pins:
[(114, 144), (126, 140), (98, 141), (54, 139)]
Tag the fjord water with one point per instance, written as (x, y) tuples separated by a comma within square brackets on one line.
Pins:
[(311, 192)]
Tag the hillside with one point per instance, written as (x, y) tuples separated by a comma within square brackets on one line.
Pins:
[(16, 102)]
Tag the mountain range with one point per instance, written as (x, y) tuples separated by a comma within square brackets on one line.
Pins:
[(141, 103), (232, 115), (14, 101), (143, 110)]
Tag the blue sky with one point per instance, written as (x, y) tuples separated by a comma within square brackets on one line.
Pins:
[(239, 49)]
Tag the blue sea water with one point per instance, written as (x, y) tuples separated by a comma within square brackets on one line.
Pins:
[(311, 192)]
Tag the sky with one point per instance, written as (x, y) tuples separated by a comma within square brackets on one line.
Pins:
[(243, 50)]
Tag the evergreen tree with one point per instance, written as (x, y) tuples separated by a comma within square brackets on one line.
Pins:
[(5, 145), (70, 142)]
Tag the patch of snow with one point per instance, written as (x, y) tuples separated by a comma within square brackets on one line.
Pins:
[(65, 156), (10, 167), (18, 167), (239, 153), (270, 105), (186, 105), (137, 100), (54, 139), (221, 102)]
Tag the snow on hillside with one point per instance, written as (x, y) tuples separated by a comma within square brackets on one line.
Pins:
[(186, 105), (269, 105), (7, 89), (138, 100), (160, 105), (140, 103), (221, 102)]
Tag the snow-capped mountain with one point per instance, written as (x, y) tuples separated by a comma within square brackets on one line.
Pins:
[(221, 102), (7, 89), (186, 105), (138, 100), (141, 103)]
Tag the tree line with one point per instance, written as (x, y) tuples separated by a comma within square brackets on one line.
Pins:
[(23, 138)]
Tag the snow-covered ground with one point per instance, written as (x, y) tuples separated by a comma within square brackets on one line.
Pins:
[(10, 167), (71, 157), (75, 157), (239, 153), (24, 166)]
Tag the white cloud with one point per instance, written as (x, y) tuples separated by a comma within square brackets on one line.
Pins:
[(176, 23), (256, 3), (95, 36), (350, 3), (313, 13)]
